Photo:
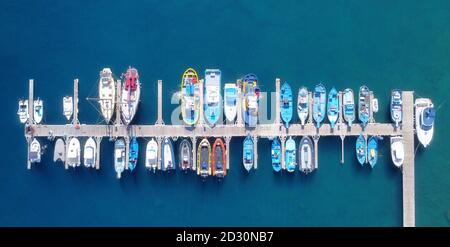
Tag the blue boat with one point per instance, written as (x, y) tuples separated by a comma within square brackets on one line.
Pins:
[(251, 92), (276, 155), (319, 104), (372, 150), (396, 107), (213, 103), (364, 105), (286, 104), (167, 155), (133, 157), (349, 106), (333, 107), (291, 155), (361, 149), (248, 156)]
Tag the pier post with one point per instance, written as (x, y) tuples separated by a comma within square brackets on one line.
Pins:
[(127, 151), (310, 108), (283, 151), (158, 163), (28, 153), (371, 117), (194, 153), (277, 102), (75, 103), (201, 119), (255, 151), (118, 102), (409, 211), (30, 102), (227, 142), (159, 120), (239, 103), (316, 150), (98, 141), (342, 148)]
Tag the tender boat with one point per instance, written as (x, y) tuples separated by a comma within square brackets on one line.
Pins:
[(319, 104), (35, 151), (349, 106), (248, 156), (131, 93), (276, 155), (303, 105), (364, 105), (333, 107), (424, 115), (374, 105), (361, 149), (396, 107), (73, 153), (133, 155), (397, 150), (90, 153), (372, 150), (38, 110), (286, 104), (107, 94), (291, 155), (204, 159), (190, 97), (68, 107), (59, 153), (213, 103), (119, 157), (168, 157), (23, 111), (306, 153), (219, 159), (151, 155), (185, 159), (251, 92), (230, 99)]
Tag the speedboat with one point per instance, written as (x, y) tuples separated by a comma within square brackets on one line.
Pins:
[(68, 107), (286, 104), (303, 105), (397, 150), (212, 105), (73, 158), (168, 157), (364, 105), (306, 152), (106, 93), (424, 115), (23, 111), (190, 97), (230, 99), (218, 159), (38, 110), (134, 152), (291, 155), (333, 107), (35, 151), (319, 104), (185, 158), (349, 106), (276, 155), (131, 91), (119, 157), (151, 155), (372, 150), (89, 153), (204, 159), (396, 107), (59, 153), (361, 149), (248, 155), (251, 92)]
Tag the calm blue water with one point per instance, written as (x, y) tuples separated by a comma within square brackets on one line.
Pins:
[(404, 44)]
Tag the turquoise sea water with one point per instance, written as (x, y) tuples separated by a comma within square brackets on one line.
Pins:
[(386, 44)]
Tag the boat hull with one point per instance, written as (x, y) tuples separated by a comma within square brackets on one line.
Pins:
[(107, 94), (396, 107), (286, 104), (306, 154), (73, 153), (290, 155), (219, 159), (303, 105), (364, 105), (119, 157), (372, 150), (333, 107), (151, 155), (190, 97), (349, 106), (185, 154), (130, 97), (204, 159), (397, 151), (248, 155), (276, 155), (212, 96), (168, 158), (38, 111), (35, 151), (90, 153), (230, 99), (319, 104), (361, 149), (134, 154), (424, 135)]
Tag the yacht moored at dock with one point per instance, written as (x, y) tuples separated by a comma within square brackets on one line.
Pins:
[(361, 149), (425, 114), (151, 155), (248, 155), (131, 93), (106, 94), (397, 151), (185, 151), (204, 159), (68, 107), (319, 104), (230, 101), (73, 158), (89, 153), (276, 155), (38, 109), (59, 153), (190, 97), (372, 150), (134, 152), (349, 106), (291, 155), (218, 159), (119, 157), (396, 107), (333, 107), (303, 105), (364, 105), (212, 96), (23, 111), (168, 157), (35, 151), (306, 154), (250, 106), (286, 104)]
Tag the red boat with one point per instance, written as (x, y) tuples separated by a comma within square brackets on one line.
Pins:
[(219, 159), (130, 94)]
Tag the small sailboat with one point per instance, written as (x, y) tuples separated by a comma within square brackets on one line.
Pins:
[(286, 104), (349, 106), (396, 107), (68, 107), (73, 153), (119, 157), (22, 112), (230, 101), (131, 92), (276, 155), (425, 114), (35, 151), (361, 149), (190, 97), (213, 104), (319, 104), (134, 152), (204, 159), (168, 157), (291, 155), (333, 107), (364, 105), (38, 110), (397, 150), (372, 150), (89, 153), (219, 159), (185, 159), (151, 155), (106, 93), (250, 107), (248, 156), (303, 105), (306, 152), (59, 153)]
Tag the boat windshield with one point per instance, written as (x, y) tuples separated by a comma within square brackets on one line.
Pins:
[(428, 118)]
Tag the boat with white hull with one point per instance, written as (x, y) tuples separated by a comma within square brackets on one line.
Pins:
[(397, 151), (38, 110), (73, 153), (90, 153), (425, 114), (230, 101), (131, 93), (151, 155), (107, 94)]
